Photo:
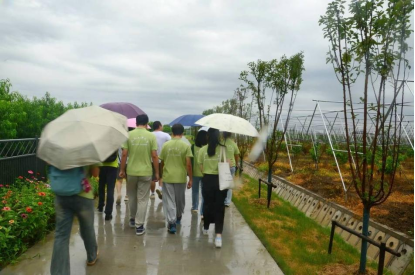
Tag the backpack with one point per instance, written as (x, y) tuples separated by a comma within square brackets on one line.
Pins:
[(112, 157), (66, 182)]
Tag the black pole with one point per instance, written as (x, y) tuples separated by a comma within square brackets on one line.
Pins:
[(381, 258), (333, 227)]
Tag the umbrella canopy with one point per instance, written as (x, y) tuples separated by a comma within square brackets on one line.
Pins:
[(187, 120), (131, 123), (82, 137), (229, 123), (124, 108)]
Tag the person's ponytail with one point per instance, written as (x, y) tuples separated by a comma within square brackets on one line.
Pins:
[(213, 141)]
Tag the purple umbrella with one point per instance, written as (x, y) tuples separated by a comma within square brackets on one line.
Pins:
[(127, 109)]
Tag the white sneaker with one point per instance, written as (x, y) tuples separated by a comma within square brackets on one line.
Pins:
[(205, 232), (218, 242), (152, 196), (126, 198)]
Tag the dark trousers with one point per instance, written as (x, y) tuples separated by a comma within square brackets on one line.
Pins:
[(213, 204), (107, 176)]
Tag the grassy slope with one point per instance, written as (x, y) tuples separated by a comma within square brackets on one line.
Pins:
[(297, 243)]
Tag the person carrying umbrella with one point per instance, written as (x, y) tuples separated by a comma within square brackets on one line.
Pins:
[(175, 162), (140, 149), (213, 207), (71, 145)]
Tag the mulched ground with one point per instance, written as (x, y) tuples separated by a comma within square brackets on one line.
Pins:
[(397, 212)]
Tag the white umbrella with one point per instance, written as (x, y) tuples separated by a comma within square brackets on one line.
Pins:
[(229, 123), (82, 137)]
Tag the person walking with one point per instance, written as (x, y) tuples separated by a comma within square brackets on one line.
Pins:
[(162, 138), (176, 166), (140, 149), (200, 141), (107, 177), (67, 206), (118, 183), (232, 152), (213, 205)]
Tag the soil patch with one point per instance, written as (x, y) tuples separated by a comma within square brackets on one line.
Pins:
[(398, 210), (341, 269)]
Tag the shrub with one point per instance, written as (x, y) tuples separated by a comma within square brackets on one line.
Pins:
[(26, 215), (263, 167), (342, 157)]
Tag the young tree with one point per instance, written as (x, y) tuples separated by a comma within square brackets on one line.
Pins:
[(284, 77), (227, 107), (258, 71), (370, 42), (244, 110)]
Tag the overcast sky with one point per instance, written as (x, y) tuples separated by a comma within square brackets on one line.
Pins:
[(168, 57)]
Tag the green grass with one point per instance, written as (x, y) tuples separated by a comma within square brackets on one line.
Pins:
[(297, 243), (410, 269)]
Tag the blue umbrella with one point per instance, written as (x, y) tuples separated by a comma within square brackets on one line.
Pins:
[(187, 120)]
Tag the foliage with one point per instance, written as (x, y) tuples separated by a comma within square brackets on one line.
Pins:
[(296, 150), (167, 128), (26, 216), (22, 117), (341, 157), (263, 167), (370, 40), (315, 152), (284, 77), (258, 71), (227, 107)]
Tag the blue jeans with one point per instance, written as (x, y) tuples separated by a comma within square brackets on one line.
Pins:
[(197, 185), (66, 208), (229, 195)]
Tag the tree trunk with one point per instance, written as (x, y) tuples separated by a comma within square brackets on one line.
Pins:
[(241, 165), (365, 232), (269, 174)]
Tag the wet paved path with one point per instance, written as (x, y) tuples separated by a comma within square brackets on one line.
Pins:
[(157, 251)]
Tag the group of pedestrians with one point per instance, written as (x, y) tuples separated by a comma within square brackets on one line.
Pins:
[(147, 158)]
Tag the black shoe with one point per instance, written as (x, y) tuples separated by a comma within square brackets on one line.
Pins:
[(108, 217)]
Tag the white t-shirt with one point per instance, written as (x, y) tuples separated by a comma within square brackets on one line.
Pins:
[(161, 137)]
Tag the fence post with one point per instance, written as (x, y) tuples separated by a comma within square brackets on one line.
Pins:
[(333, 227), (381, 258)]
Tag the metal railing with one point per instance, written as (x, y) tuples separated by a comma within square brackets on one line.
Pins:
[(269, 190), (17, 157), (382, 245)]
